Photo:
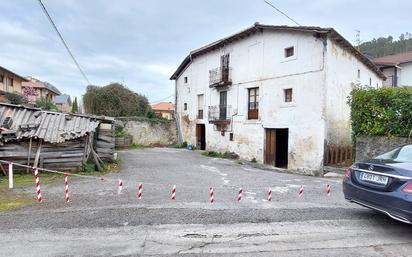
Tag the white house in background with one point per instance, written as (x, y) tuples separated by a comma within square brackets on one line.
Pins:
[(397, 69), (274, 93)]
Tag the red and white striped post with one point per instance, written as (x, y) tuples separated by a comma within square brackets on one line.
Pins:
[(328, 188), (139, 191), (11, 175), (66, 188), (174, 192), (270, 195), (38, 190), (212, 195), (301, 191), (239, 195), (120, 187)]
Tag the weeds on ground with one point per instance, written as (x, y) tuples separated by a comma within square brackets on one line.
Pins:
[(225, 155), (182, 145), (10, 201)]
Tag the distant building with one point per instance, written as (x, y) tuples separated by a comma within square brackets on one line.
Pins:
[(397, 69), (164, 109), (63, 103), (41, 88), (9, 82)]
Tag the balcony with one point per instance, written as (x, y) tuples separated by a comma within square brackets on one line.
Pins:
[(219, 114), (220, 77)]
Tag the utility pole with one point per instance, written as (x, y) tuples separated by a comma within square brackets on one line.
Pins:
[(358, 40)]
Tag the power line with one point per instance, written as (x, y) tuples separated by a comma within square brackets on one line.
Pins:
[(284, 14), (64, 42), (163, 99)]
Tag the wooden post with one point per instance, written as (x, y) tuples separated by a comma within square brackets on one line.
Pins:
[(10, 175), (29, 155)]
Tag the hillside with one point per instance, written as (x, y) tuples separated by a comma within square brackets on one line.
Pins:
[(386, 46)]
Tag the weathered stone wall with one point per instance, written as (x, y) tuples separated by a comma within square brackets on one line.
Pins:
[(149, 132), (367, 147)]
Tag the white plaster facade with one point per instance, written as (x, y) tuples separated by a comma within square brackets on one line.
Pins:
[(321, 74)]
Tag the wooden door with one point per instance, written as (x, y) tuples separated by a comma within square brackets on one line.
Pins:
[(223, 105), (270, 147)]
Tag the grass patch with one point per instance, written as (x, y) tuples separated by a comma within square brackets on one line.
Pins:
[(10, 201), (21, 180)]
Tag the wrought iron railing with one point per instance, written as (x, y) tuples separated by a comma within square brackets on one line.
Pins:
[(219, 113), (221, 76)]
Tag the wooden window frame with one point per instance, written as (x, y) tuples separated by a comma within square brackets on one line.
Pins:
[(253, 106), (289, 50), (185, 79), (288, 98), (185, 107)]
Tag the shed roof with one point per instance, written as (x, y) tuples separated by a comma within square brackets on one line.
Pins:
[(50, 126), (257, 27), (394, 59)]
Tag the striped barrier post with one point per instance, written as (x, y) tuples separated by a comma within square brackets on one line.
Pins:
[(212, 195), (174, 192), (66, 188), (301, 191), (270, 195), (239, 195), (38, 190), (139, 191)]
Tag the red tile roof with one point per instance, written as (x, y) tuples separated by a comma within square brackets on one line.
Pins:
[(163, 106), (394, 59)]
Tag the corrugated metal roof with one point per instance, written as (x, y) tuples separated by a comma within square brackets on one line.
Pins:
[(53, 127)]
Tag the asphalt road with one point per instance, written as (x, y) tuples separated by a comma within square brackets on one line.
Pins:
[(100, 222)]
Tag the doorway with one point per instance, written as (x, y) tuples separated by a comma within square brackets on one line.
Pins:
[(201, 136), (276, 148)]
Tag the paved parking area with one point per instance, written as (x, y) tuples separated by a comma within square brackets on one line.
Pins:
[(100, 222)]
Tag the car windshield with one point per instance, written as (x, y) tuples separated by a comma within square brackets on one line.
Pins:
[(400, 154)]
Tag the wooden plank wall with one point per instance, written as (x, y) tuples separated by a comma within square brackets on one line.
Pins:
[(63, 156), (105, 144)]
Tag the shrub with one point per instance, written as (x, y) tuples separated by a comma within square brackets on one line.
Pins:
[(115, 100), (46, 104), (15, 98), (383, 111)]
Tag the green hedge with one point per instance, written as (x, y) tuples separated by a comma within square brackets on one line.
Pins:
[(383, 111)]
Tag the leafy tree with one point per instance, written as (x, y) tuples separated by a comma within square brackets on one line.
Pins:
[(386, 46), (15, 98), (45, 104), (75, 107), (115, 100)]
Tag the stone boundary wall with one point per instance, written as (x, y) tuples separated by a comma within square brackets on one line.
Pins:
[(155, 132), (368, 147)]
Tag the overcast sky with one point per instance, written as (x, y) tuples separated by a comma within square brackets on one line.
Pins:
[(141, 42)]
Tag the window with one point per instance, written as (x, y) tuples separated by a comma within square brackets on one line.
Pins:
[(1, 78), (290, 51), (200, 106), (11, 82), (185, 106), (370, 82), (253, 103), (231, 136), (288, 95), (358, 74), (185, 80)]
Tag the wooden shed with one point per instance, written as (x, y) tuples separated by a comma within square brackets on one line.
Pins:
[(54, 140)]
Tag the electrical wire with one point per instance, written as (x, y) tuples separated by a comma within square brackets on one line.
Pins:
[(63, 41), (284, 14)]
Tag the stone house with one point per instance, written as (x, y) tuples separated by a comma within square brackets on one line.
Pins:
[(9, 82), (42, 89), (277, 94), (164, 109), (63, 103)]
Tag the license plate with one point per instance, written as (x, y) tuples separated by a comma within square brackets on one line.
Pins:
[(382, 180)]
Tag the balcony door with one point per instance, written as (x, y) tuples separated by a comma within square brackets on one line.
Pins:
[(223, 105), (224, 65)]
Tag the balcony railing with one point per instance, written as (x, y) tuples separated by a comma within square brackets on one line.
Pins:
[(219, 114), (220, 77)]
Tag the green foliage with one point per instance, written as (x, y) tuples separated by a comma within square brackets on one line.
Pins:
[(225, 155), (15, 98), (115, 100), (120, 132), (75, 106), (383, 111), (387, 46), (45, 104), (182, 145)]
